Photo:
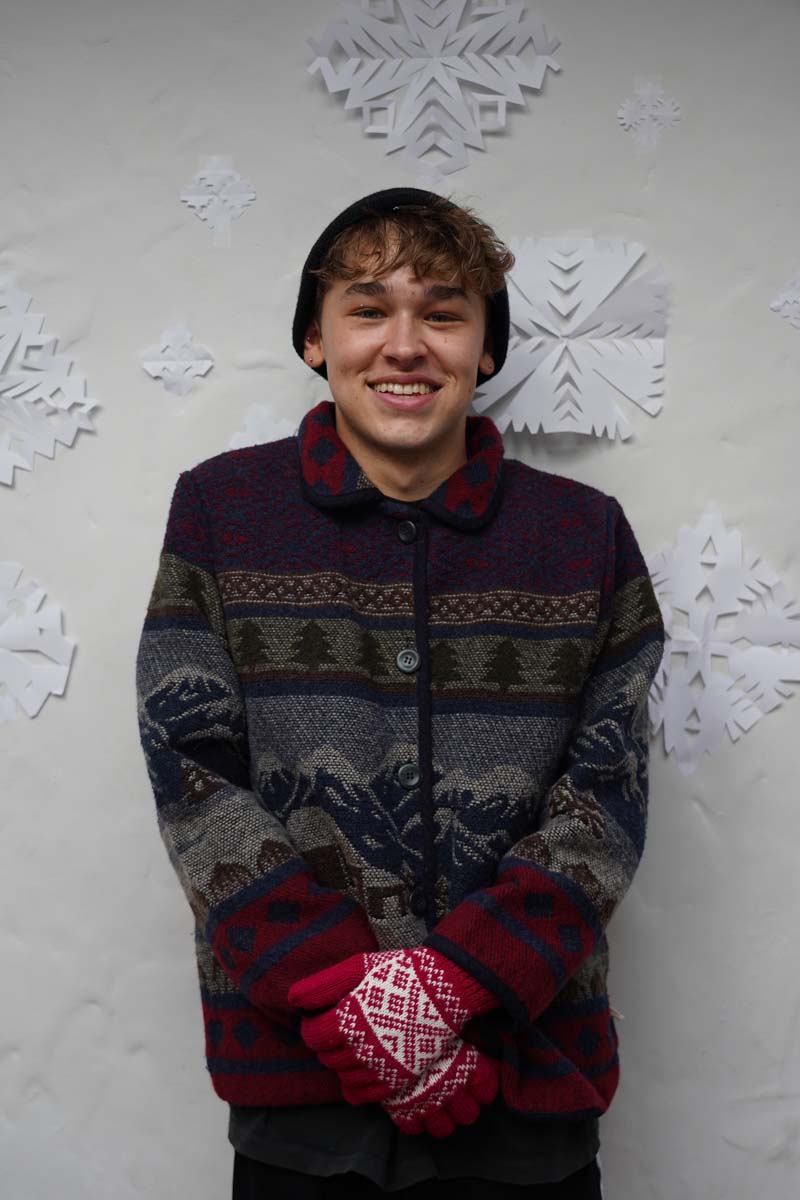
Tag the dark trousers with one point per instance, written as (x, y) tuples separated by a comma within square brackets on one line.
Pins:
[(253, 1180)]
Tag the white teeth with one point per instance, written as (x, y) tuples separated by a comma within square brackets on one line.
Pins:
[(403, 389)]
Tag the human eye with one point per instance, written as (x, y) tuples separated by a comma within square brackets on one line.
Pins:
[(445, 316), (365, 312)]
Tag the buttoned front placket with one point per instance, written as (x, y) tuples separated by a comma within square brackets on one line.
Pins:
[(412, 527), (332, 479)]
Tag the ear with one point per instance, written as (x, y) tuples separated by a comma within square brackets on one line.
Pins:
[(486, 362), (313, 350)]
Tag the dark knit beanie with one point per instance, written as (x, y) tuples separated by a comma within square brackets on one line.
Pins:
[(381, 202)]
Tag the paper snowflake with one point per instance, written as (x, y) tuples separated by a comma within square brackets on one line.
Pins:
[(176, 361), (585, 332), (42, 400), (436, 75), (730, 629), (261, 425), (787, 305), (218, 195), (35, 656), (648, 114)]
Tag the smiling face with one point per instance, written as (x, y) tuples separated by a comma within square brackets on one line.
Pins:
[(402, 356)]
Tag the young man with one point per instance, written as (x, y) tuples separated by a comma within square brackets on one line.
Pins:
[(393, 702)]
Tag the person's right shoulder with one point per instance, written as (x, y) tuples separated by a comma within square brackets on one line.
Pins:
[(246, 459), (223, 498), (264, 462)]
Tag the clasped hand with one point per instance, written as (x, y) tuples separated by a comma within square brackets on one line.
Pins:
[(390, 1030)]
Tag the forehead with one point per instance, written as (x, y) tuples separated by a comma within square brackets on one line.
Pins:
[(402, 284), (393, 254)]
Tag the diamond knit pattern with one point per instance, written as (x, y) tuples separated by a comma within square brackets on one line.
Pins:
[(448, 1094), (404, 1014), (391, 1019)]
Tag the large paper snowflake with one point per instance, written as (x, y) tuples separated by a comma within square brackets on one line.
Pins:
[(586, 332), (218, 195), (35, 656), (435, 76), (176, 361), (42, 400), (648, 114), (261, 425), (730, 628), (787, 305)]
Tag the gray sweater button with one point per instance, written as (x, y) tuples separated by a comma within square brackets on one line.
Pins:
[(408, 774), (408, 659), (406, 531)]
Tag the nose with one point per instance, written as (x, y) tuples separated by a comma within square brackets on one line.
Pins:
[(404, 341)]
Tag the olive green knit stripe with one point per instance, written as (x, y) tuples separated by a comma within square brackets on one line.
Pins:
[(181, 588), (333, 647)]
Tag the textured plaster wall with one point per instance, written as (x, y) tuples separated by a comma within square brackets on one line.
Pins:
[(107, 106)]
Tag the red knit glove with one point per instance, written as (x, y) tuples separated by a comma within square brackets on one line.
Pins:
[(395, 1012), (448, 1094)]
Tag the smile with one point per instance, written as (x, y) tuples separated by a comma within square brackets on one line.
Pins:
[(404, 389)]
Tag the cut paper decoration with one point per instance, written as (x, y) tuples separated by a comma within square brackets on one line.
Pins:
[(648, 114), (586, 333), (218, 195), (787, 305), (176, 361), (435, 76), (732, 634), (261, 425), (35, 656), (43, 400)]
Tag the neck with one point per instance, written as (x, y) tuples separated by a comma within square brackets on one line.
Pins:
[(407, 474)]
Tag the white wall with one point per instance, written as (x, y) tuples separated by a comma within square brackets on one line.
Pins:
[(103, 1087)]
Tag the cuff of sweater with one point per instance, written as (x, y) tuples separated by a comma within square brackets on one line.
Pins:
[(474, 995)]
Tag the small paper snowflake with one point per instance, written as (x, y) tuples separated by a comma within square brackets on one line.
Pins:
[(218, 195), (35, 656), (585, 332), (787, 305), (176, 361), (261, 425), (730, 628), (648, 114), (433, 78), (42, 400)]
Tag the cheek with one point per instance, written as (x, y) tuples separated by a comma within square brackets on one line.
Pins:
[(355, 353), (464, 355)]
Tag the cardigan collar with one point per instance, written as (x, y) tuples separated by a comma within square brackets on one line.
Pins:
[(332, 478)]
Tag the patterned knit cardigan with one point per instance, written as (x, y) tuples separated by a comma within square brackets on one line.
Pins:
[(371, 723)]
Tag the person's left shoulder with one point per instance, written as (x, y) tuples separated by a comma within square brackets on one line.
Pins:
[(554, 496)]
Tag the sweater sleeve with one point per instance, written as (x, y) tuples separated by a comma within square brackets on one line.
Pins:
[(556, 888), (256, 899)]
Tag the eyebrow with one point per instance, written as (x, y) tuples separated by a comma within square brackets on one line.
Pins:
[(437, 291)]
